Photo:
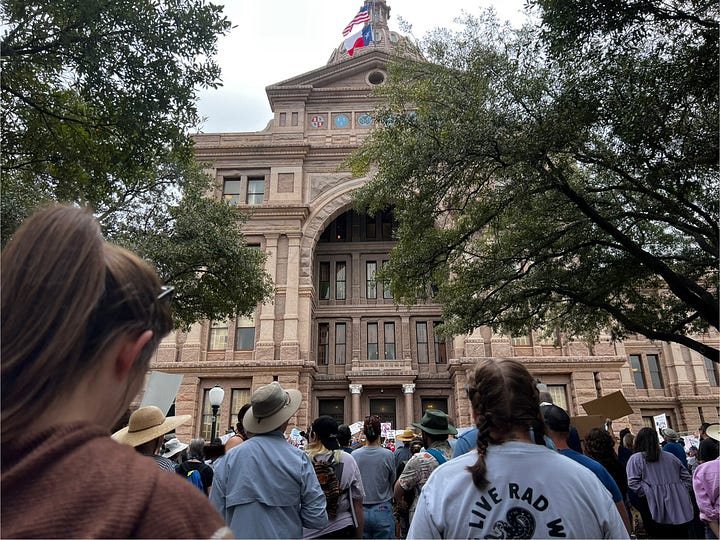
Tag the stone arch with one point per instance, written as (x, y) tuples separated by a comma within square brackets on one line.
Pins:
[(337, 202)]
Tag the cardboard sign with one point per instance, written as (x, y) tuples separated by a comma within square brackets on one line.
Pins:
[(385, 428), (584, 424), (612, 406), (356, 428)]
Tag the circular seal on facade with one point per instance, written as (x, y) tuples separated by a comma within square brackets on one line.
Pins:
[(317, 121), (376, 77), (364, 119), (341, 121)]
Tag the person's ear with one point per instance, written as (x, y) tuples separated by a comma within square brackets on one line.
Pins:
[(129, 353)]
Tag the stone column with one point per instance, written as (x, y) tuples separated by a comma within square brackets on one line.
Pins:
[(355, 390), (290, 346), (408, 390), (265, 347)]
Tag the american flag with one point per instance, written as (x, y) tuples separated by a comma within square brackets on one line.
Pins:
[(363, 16)]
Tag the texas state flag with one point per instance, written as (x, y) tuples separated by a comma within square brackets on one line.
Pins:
[(359, 40)]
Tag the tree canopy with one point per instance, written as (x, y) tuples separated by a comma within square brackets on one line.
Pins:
[(98, 100), (557, 176)]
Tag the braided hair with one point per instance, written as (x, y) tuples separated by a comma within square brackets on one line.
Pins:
[(371, 427), (504, 398)]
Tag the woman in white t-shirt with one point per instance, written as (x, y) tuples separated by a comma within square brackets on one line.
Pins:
[(324, 445), (509, 487)]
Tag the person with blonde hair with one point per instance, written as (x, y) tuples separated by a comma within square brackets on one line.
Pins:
[(81, 319), (508, 486), (324, 445)]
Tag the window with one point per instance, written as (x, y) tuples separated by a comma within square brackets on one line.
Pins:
[(218, 336), (340, 343), (238, 398), (324, 281), (206, 426), (323, 344), (558, 392), (389, 341), (332, 407), (440, 350), (654, 369), (521, 341), (370, 227), (283, 119), (231, 191), (438, 404), (256, 190), (387, 294), (421, 339), (245, 333), (294, 119), (340, 281), (648, 421), (372, 341), (637, 371), (370, 285), (713, 372)]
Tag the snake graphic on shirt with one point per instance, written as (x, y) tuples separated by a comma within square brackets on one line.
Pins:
[(519, 524)]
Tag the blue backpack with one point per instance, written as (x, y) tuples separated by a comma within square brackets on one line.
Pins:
[(194, 477)]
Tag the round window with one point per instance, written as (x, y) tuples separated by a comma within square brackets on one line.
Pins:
[(394, 37), (376, 77)]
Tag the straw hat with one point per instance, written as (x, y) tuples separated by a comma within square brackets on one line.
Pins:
[(146, 424), (406, 436), (271, 408)]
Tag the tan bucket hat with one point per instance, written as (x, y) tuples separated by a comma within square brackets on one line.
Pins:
[(271, 408), (146, 424)]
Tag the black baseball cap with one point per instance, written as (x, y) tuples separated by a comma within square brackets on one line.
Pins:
[(326, 428), (556, 418)]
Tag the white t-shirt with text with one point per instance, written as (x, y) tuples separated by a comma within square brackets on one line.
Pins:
[(533, 492)]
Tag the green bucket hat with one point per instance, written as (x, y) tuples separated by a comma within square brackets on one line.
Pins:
[(435, 423)]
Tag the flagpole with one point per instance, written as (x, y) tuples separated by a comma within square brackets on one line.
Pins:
[(372, 23)]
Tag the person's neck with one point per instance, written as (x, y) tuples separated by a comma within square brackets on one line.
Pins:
[(376, 442), (560, 440)]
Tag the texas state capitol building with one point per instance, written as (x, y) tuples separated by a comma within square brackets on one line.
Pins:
[(337, 336)]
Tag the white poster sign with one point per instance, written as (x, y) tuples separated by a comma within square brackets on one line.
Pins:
[(161, 390), (660, 423), (356, 428)]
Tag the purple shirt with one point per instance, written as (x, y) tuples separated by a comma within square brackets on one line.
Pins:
[(666, 485), (706, 482)]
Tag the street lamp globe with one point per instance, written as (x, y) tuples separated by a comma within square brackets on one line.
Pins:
[(216, 395)]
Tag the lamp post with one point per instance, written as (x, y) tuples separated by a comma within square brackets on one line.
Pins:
[(216, 396)]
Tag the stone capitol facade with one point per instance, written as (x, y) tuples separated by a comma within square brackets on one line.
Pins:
[(334, 333)]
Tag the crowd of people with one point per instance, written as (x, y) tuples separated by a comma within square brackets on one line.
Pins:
[(81, 319)]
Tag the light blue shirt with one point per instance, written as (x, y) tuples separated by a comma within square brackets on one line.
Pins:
[(267, 488), (377, 469)]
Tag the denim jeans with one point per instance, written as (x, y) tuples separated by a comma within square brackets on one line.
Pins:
[(379, 521)]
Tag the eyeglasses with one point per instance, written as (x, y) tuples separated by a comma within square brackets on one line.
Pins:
[(166, 293)]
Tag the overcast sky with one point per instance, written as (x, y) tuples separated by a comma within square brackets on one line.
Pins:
[(273, 40)]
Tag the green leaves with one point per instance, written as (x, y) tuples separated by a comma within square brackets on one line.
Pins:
[(538, 184), (98, 98)]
